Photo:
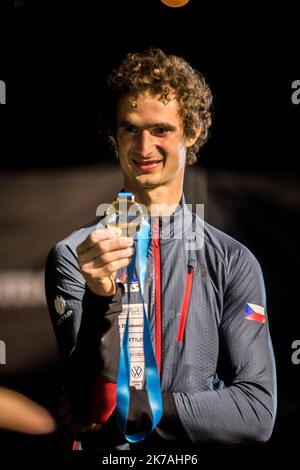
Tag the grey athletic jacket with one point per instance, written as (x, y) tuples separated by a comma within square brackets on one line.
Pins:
[(206, 306)]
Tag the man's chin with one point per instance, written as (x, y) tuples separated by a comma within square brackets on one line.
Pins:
[(148, 183)]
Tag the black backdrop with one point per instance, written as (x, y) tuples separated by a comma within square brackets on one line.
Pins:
[(62, 52), (64, 49)]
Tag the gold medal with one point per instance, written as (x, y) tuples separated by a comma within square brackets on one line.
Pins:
[(126, 214)]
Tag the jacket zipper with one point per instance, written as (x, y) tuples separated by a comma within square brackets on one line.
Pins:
[(157, 280), (185, 303)]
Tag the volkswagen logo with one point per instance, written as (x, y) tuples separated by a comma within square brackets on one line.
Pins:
[(136, 371)]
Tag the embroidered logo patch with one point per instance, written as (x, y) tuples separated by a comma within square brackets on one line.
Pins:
[(255, 312), (60, 305)]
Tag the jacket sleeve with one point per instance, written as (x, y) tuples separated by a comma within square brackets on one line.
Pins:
[(65, 288), (85, 326), (243, 411)]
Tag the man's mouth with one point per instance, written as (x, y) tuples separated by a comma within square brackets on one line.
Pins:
[(147, 164)]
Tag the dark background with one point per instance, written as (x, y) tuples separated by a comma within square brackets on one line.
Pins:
[(64, 49), (56, 167)]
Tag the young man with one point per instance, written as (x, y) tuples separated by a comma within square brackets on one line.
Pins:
[(205, 302)]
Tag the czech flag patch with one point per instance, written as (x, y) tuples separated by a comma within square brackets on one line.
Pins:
[(255, 312)]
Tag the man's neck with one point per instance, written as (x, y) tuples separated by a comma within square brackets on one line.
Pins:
[(158, 201)]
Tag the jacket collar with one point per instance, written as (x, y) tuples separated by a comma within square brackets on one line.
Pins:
[(174, 226)]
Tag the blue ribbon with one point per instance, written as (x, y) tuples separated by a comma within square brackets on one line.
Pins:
[(151, 370)]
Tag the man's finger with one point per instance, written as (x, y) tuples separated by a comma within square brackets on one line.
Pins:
[(97, 236), (108, 245), (107, 258), (109, 268)]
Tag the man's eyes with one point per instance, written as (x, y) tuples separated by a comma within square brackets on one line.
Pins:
[(130, 129), (157, 131)]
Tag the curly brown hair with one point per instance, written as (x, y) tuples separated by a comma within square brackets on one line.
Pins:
[(168, 77)]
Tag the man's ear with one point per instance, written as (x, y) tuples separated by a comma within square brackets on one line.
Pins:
[(192, 138)]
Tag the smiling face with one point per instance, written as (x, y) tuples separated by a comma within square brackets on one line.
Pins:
[(151, 143)]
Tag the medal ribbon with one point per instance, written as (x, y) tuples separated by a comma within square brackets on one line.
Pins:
[(152, 380)]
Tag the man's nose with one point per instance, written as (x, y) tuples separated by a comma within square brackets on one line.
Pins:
[(145, 143)]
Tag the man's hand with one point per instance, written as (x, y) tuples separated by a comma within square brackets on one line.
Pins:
[(100, 256)]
